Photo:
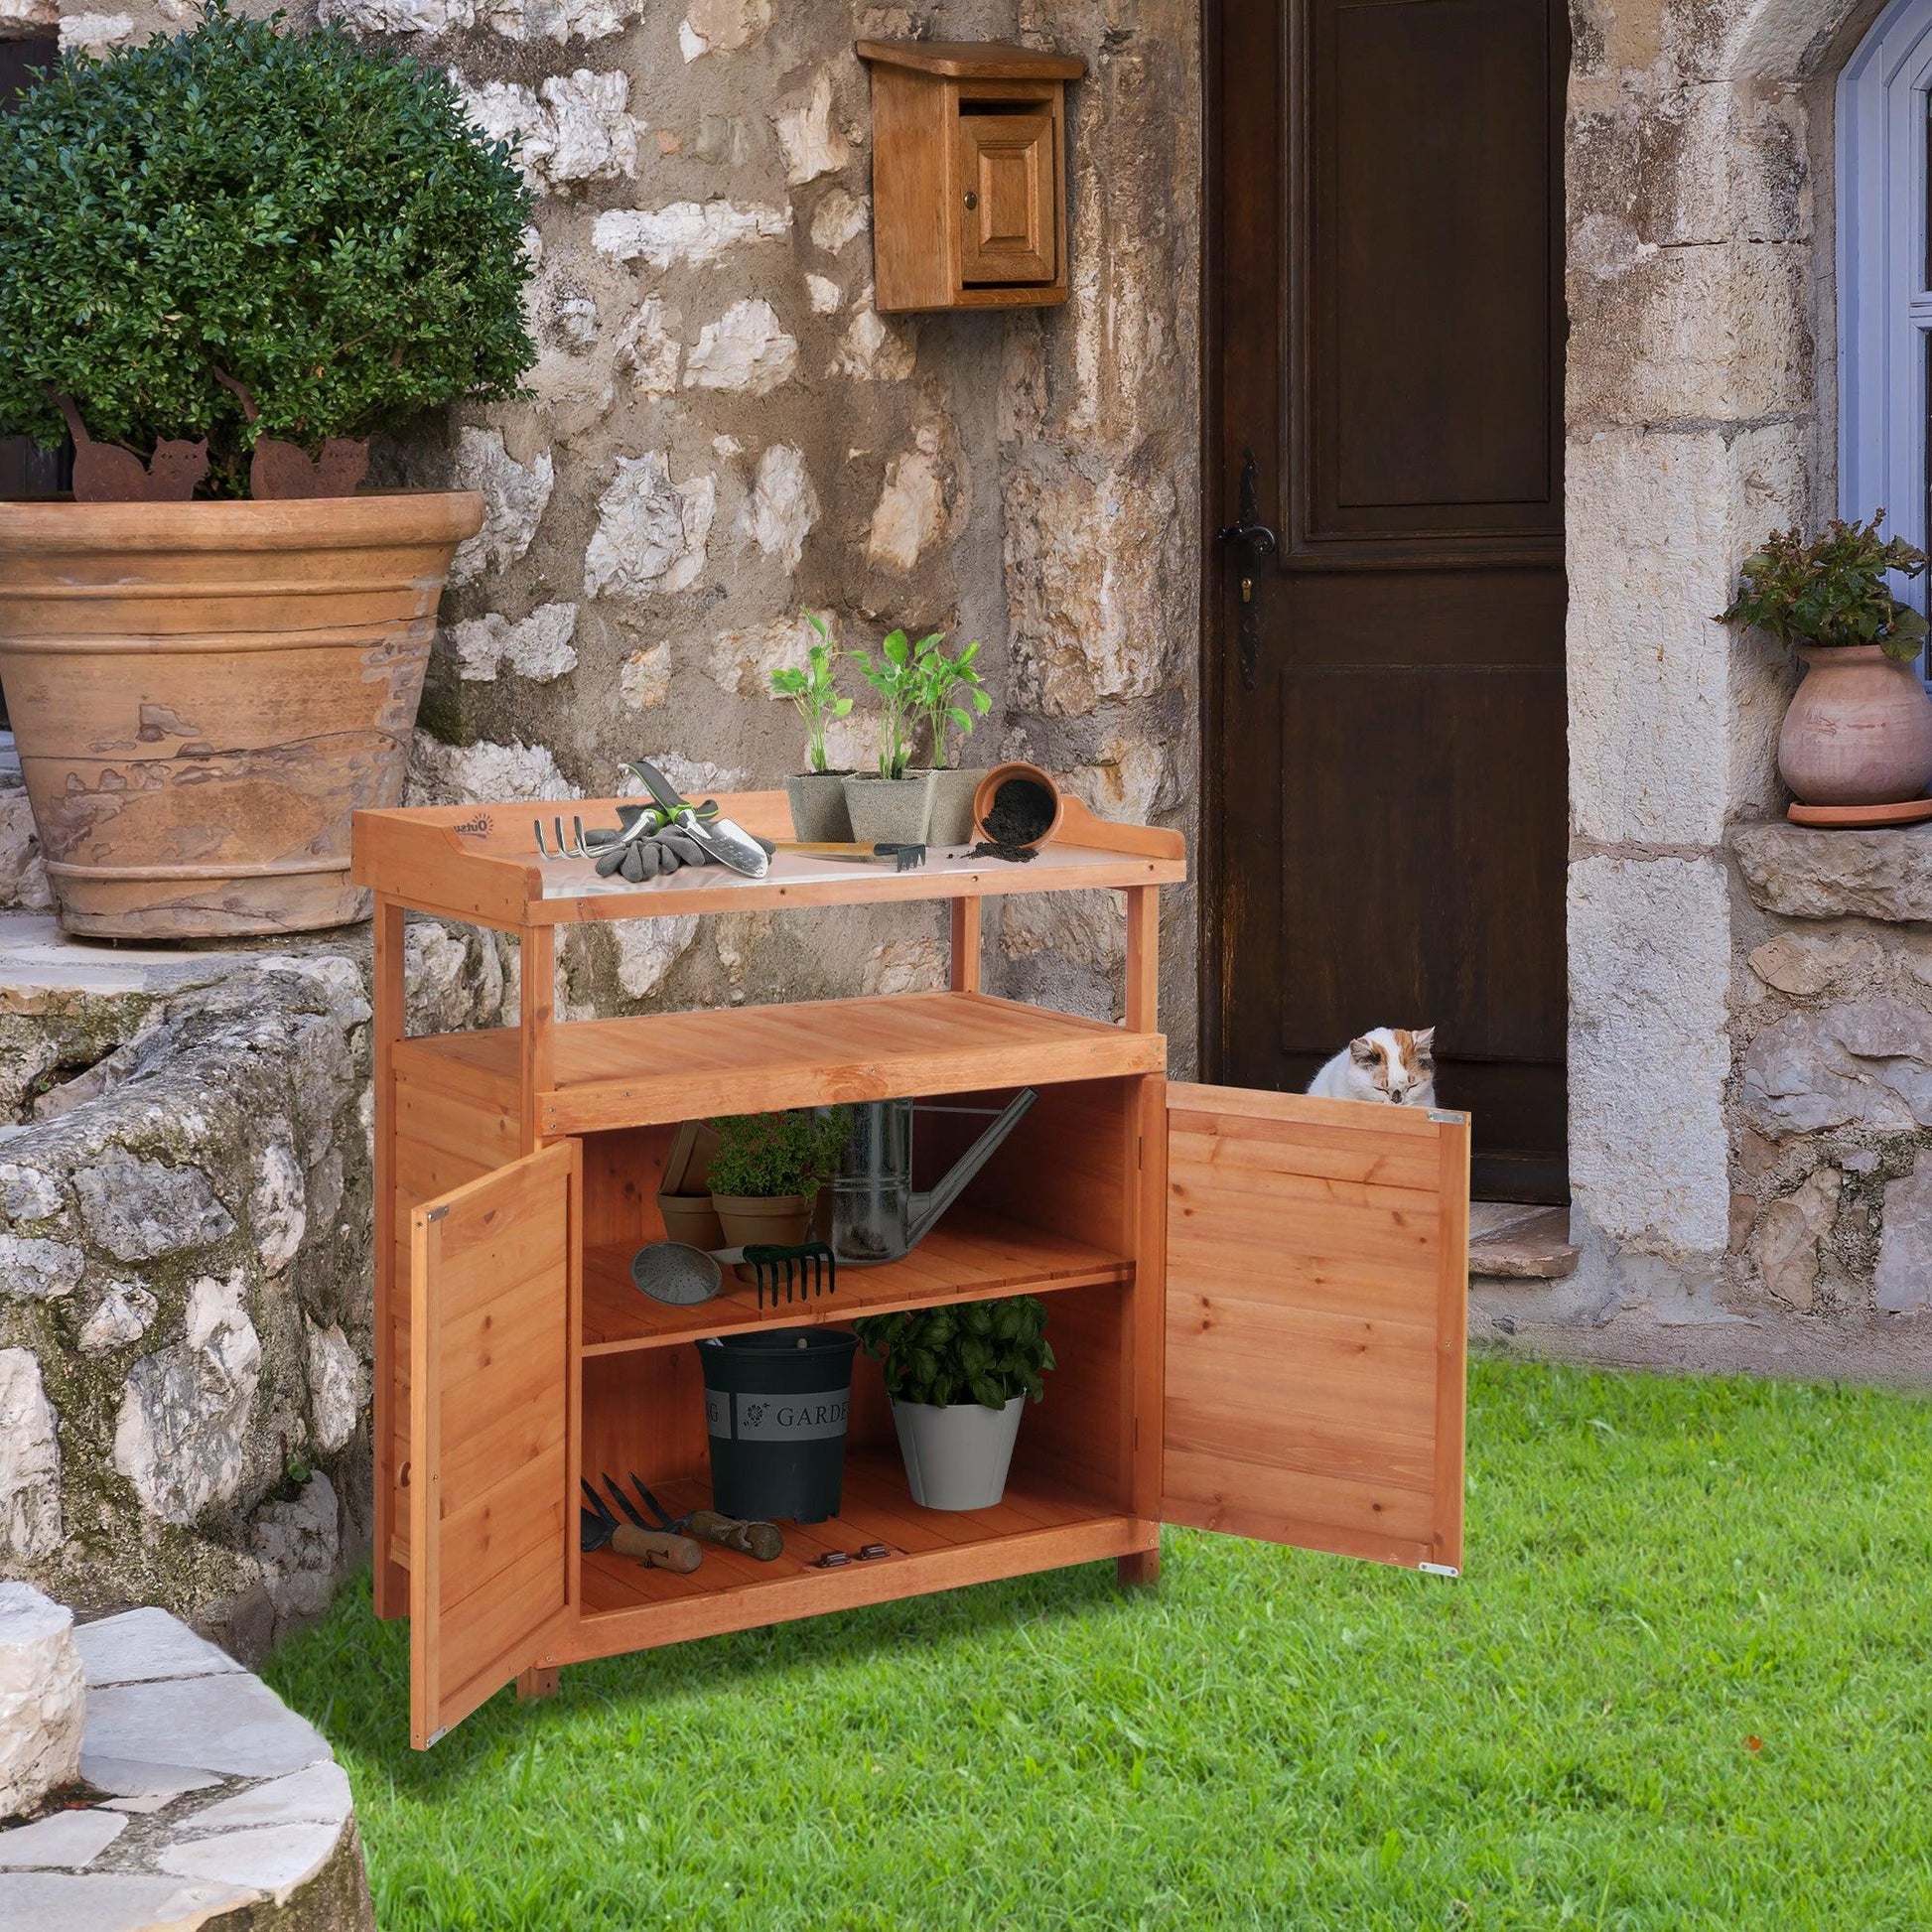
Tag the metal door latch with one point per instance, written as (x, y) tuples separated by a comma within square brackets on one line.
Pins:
[(1252, 538)]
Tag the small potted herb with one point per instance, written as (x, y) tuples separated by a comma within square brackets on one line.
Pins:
[(948, 695), (959, 1378), (766, 1170), (817, 794), (1859, 732), (896, 804)]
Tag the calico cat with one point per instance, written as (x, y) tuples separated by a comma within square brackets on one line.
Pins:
[(1389, 1064)]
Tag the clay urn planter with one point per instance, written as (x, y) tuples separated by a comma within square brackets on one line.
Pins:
[(201, 693), (1859, 729)]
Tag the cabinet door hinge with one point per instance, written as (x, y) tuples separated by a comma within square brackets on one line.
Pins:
[(1443, 1119), (435, 1213), (1438, 1569)]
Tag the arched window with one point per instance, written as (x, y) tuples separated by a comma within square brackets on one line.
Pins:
[(1884, 274)]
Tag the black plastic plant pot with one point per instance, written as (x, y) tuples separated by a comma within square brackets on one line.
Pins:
[(776, 1408)]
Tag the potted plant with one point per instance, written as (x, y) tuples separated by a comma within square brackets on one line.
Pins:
[(765, 1172), (1859, 732), (948, 695), (226, 259), (896, 805), (959, 1378), (817, 794)]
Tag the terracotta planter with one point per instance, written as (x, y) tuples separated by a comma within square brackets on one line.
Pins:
[(818, 812), (203, 693), (785, 1221), (1859, 732), (989, 791)]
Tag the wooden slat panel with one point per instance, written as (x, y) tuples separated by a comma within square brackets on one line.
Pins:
[(1315, 1323), (494, 1306)]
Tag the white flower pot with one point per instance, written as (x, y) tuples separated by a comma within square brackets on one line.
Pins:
[(956, 1457)]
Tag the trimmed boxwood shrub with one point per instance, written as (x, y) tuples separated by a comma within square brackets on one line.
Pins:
[(320, 219)]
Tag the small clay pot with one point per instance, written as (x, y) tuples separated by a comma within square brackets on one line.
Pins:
[(953, 794), (1858, 731), (783, 1220), (989, 791), (890, 811), (818, 810), (692, 1220)]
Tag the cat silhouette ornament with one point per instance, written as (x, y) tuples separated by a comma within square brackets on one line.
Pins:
[(104, 473)]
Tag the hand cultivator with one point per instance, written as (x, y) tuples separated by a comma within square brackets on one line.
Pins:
[(662, 1541)]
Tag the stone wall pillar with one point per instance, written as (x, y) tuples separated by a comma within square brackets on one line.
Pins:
[(1693, 430)]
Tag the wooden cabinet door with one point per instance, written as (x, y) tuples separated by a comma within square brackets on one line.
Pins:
[(1009, 189), (495, 1293), (1316, 1297)]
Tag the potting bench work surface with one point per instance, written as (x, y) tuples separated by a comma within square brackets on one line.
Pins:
[(1256, 1300)]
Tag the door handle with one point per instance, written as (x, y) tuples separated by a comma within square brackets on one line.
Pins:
[(1252, 539)]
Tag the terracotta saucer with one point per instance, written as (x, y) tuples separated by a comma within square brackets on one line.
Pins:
[(1911, 812)]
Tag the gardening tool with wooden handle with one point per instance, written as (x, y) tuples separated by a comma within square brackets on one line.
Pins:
[(902, 858), (654, 1549), (766, 1541)]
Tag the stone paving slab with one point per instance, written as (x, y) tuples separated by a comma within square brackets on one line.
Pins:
[(234, 1725), (52, 1902), (36, 956), (63, 1839), (274, 1859), (318, 1796), (129, 1777), (142, 1645)]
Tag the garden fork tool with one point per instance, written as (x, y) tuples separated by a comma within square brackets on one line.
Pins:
[(766, 1541), (654, 1549), (903, 858), (571, 848)]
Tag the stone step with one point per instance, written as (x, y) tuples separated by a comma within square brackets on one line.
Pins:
[(1520, 1242)]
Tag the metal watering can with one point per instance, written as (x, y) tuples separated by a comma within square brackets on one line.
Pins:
[(875, 1215)]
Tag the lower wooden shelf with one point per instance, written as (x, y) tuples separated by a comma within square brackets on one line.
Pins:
[(969, 1257), (1039, 1524)]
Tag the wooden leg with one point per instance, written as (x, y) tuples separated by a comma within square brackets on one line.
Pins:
[(539, 1681), (538, 969), (1140, 1571), (965, 977), (1142, 959)]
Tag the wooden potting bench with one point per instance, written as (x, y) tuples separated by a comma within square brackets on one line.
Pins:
[(1257, 1298)]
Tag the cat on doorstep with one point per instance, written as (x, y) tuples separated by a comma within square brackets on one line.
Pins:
[(1389, 1064)]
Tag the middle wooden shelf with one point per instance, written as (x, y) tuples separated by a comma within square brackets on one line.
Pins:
[(970, 1257)]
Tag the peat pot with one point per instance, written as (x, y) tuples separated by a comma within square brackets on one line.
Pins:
[(953, 792), (890, 811), (1857, 732), (203, 693), (818, 812), (774, 1409), (957, 1456)]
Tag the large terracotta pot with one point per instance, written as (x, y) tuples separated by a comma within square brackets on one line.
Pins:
[(203, 693), (1859, 732)]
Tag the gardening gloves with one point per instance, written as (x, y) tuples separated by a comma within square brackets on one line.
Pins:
[(647, 858)]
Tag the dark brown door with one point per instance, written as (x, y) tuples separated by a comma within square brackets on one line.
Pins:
[(1386, 819)]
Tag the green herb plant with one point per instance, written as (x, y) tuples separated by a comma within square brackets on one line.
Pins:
[(1832, 591), (813, 693), (973, 1351), (774, 1157), (896, 676), (947, 692), (319, 220)]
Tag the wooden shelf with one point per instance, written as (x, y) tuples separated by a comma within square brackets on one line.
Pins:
[(479, 864), (969, 1257), (1039, 1524), (673, 1066)]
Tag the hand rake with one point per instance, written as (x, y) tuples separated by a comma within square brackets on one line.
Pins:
[(673, 1272)]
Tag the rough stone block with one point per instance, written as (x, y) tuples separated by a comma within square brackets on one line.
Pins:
[(689, 232), (538, 646), (651, 531), (1806, 874), (1868, 1061), (747, 349), (43, 1698), (1649, 962), (30, 1460), (1904, 1282), (514, 499)]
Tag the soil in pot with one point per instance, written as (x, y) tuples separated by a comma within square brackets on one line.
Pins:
[(783, 1220), (890, 811), (818, 810), (202, 692), (957, 1457), (1859, 732), (1016, 809), (775, 1410), (953, 792)]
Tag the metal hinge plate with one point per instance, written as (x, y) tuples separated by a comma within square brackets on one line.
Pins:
[(1443, 1119), (1438, 1569)]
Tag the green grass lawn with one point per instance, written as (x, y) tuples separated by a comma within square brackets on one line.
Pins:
[(1683, 1683)]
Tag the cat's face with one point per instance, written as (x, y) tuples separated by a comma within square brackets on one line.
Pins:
[(1394, 1066)]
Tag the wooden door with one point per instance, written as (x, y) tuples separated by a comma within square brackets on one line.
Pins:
[(1316, 1314), (1386, 802), (495, 1291), (1009, 190)]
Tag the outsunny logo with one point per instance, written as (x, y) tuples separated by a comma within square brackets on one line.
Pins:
[(478, 827)]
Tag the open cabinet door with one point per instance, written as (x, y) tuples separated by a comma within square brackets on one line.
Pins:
[(1316, 1297), (494, 1291)]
